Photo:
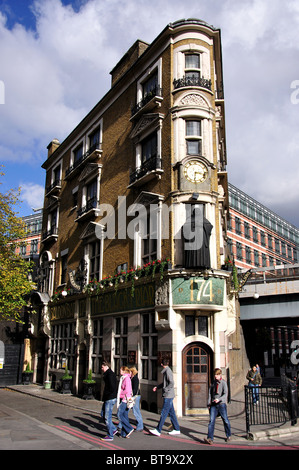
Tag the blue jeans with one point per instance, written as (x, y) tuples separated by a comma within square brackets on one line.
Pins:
[(222, 410), (168, 409), (107, 415), (137, 413), (123, 414), (255, 392)]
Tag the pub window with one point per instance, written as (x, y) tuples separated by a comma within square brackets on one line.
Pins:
[(196, 325), (203, 326), (149, 346), (97, 346), (120, 343), (62, 349)]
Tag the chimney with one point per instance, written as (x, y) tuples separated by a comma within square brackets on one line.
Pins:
[(53, 146)]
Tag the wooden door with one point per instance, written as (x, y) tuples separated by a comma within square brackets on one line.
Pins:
[(196, 373)]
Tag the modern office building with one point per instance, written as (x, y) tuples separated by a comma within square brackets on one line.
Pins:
[(123, 275), (257, 237)]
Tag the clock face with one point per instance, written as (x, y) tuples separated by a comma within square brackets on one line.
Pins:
[(195, 171)]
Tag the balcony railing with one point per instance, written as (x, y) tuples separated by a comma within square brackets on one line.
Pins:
[(91, 204), (151, 165), (52, 233), (92, 150), (192, 81), (155, 92), (54, 187)]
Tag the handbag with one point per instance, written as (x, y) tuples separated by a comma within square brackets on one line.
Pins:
[(130, 402)]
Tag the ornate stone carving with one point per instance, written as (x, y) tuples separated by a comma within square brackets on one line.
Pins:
[(193, 99)]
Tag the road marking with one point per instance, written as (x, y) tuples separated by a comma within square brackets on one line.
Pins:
[(86, 437)]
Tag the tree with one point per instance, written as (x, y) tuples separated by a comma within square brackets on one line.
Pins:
[(15, 283)]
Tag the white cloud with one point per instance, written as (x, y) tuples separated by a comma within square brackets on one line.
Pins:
[(32, 194)]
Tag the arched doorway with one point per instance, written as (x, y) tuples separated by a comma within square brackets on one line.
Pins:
[(196, 371)]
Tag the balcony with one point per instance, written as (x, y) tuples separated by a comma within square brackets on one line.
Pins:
[(89, 210), (148, 102), (93, 153), (150, 169), (54, 188), (50, 235), (192, 81)]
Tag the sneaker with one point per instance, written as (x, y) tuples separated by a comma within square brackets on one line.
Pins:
[(154, 432), (129, 434), (174, 432), (228, 439), (208, 441), (107, 438), (115, 432)]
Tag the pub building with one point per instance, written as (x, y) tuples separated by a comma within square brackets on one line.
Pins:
[(132, 263)]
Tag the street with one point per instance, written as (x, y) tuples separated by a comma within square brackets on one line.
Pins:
[(31, 423)]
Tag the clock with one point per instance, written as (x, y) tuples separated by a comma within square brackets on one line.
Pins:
[(195, 171)]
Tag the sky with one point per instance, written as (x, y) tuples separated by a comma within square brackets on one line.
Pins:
[(55, 63)]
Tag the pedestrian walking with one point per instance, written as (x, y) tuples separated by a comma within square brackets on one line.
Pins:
[(254, 381), (109, 399), (168, 395), (137, 397), (217, 401), (124, 392)]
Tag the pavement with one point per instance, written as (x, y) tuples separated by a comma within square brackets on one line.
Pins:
[(266, 434)]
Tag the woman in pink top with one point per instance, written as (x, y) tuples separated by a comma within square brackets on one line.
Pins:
[(124, 392)]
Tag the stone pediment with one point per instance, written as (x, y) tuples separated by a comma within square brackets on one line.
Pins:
[(147, 121), (92, 230), (90, 170)]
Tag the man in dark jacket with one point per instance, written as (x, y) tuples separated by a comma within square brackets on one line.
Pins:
[(109, 399), (217, 405)]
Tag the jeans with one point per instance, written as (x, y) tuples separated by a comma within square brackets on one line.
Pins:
[(123, 414), (137, 413), (255, 392), (107, 415), (222, 410), (168, 409)]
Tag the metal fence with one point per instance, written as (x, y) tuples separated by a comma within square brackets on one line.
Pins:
[(271, 405)]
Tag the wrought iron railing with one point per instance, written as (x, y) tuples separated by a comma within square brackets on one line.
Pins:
[(55, 184), (96, 146), (152, 164), (156, 91), (272, 405), (91, 204), (49, 233), (192, 81)]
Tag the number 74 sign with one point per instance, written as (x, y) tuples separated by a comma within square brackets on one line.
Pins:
[(198, 290)]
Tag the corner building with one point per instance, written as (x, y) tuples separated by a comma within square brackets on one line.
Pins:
[(145, 167)]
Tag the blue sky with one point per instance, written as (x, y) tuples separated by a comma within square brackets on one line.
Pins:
[(55, 59)]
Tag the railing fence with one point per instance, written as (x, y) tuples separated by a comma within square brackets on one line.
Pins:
[(271, 405)]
